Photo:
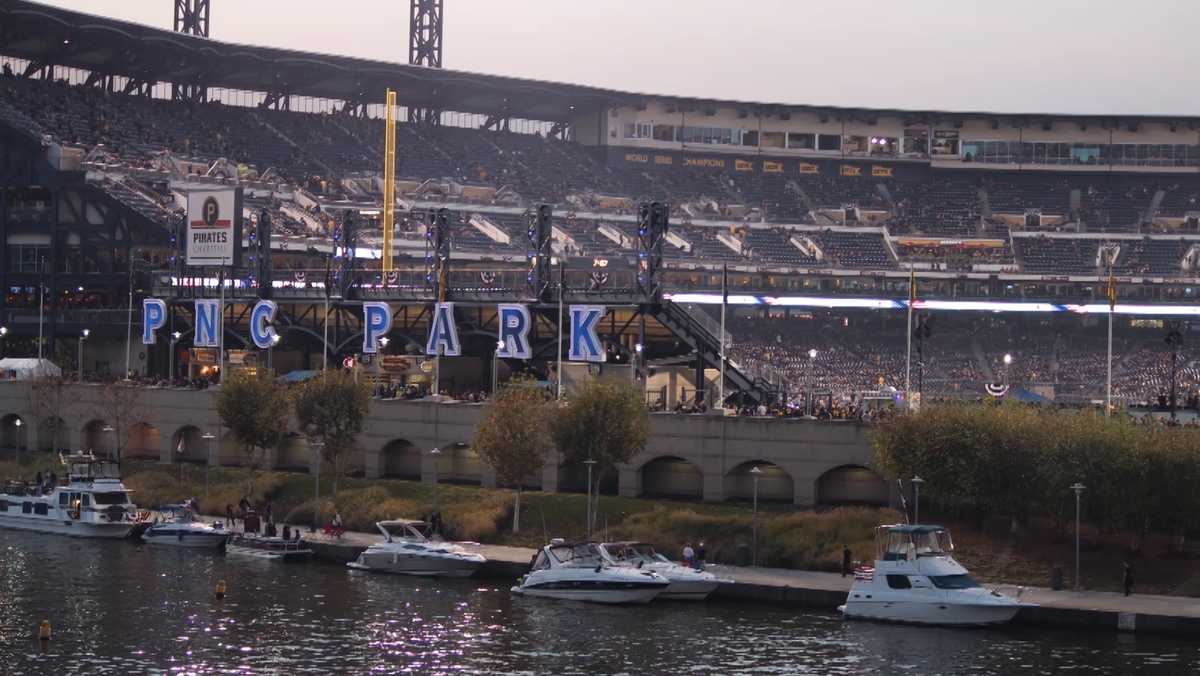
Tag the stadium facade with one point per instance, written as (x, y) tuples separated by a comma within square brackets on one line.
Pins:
[(808, 213)]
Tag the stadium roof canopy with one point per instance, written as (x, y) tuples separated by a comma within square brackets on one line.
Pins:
[(52, 35)]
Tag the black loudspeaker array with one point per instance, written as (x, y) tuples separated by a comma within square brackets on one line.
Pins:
[(653, 222)]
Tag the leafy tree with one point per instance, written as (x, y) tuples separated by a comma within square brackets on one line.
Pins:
[(606, 422), (121, 407), (514, 437), (46, 400), (332, 408), (255, 410)]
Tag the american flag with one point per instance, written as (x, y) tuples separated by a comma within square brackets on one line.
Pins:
[(864, 573)]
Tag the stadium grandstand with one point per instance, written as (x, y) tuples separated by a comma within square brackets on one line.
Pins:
[(822, 220)]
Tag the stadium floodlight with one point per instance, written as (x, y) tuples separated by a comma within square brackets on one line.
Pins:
[(1007, 359), (812, 353)]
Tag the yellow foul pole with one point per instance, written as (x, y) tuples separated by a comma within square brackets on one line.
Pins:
[(389, 180)]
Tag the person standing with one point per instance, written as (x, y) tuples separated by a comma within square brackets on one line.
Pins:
[(230, 518), (689, 554), (701, 555), (846, 562), (1127, 579)]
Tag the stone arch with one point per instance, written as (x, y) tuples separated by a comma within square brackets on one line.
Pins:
[(400, 459), (14, 432), (52, 434), (195, 446), (851, 485), (466, 467), (774, 483), (144, 441), (671, 476), (572, 478), (93, 437)]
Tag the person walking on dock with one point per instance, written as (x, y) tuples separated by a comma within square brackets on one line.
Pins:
[(847, 567), (1127, 579)]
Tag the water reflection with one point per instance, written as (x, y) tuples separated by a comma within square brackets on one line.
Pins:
[(119, 608)]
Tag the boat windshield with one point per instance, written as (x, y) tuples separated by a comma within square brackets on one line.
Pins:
[(933, 543), (646, 553), (403, 530), (576, 555), (962, 581), (110, 498)]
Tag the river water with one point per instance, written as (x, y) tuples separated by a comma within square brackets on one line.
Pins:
[(119, 608)]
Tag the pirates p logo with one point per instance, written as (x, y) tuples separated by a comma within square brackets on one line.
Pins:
[(211, 212)]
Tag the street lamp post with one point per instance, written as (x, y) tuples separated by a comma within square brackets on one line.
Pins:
[(437, 454), (635, 366), (916, 482), (271, 352), (589, 462), (496, 367), (207, 437), (808, 398), (109, 429), (83, 335), (175, 336), (316, 445), (18, 424), (1078, 488), (754, 472), (1008, 359)]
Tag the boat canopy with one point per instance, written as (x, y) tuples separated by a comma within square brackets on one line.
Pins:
[(904, 542)]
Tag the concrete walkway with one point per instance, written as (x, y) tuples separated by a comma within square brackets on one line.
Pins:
[(1138, 612)]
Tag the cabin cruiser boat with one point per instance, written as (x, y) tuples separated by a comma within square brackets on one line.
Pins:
[(578, 572), (179, 527), (687, 584), (407, 550), (89, 502), (270, 548), (917, 580)]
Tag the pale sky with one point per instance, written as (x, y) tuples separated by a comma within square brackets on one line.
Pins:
[(1067, 56)]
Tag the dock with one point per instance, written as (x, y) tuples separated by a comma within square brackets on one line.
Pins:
[(1082, 610)]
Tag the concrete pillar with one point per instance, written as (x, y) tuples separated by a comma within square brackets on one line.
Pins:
[(372, 462), (714, 487), (629, 481), (550, 474), (804, 491), (166, 448)]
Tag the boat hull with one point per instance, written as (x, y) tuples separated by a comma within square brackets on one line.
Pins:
[(423, 566), (206, 540), (940, 614), (69, 527), (610, 596), (253, 553), (688, 590)]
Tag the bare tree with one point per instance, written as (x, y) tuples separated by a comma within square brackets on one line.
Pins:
[(121, 407), (46, 399)]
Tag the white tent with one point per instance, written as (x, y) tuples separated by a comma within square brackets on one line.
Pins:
[(13, 368)]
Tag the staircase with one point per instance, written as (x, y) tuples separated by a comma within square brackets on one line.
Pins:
[(701, 336)]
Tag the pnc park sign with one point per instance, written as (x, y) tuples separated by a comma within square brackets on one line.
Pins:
[(514, 325)]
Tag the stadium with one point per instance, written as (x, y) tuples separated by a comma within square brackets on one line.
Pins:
[(990, 247)]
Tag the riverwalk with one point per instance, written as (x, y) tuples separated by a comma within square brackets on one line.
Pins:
[(1107, 611)]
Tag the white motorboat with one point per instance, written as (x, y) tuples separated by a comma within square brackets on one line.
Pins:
[(90, 501), (578, 572), (269, 548), (917, 580), (177, 526), (406, 550), (687, 584)]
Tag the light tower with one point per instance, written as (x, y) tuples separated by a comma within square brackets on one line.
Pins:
[(191, 18), (425, 48)]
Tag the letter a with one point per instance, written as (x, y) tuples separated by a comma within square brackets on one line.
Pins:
[(442, 332)]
